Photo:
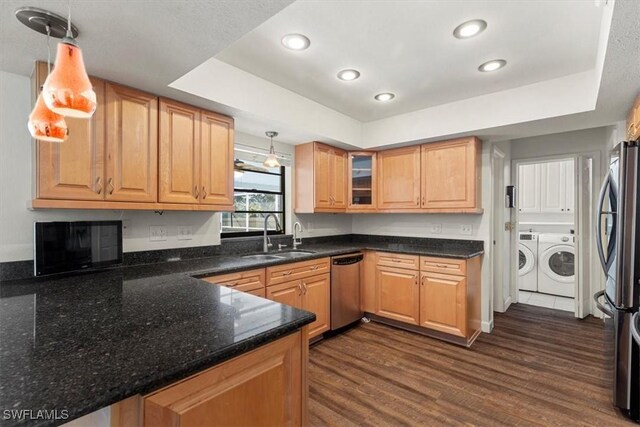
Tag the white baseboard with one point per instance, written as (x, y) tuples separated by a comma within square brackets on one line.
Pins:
[(507, 303), (487, 327)]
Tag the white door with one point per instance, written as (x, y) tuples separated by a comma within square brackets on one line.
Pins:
[(552, 187), (569, 180), (529, 188)]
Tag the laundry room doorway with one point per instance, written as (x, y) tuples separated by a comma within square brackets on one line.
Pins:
[(554, 240)]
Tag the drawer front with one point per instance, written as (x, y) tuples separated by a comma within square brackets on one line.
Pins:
[(411, 262), (444, 265), (244, 281), (297, 270)]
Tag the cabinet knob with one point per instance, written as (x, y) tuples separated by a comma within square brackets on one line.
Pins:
[(111, 187)]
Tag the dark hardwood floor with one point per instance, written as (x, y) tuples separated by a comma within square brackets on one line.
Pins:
[(538, 367)]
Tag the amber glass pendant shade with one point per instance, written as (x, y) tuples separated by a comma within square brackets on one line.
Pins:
[(68, 90), (45, 125)]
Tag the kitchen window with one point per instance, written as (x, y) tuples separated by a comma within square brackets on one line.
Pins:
[(258, 191)]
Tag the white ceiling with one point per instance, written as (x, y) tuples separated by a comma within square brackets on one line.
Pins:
[(407, 47)]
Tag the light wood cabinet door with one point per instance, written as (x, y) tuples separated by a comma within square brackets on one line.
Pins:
[(339, 167), (245, 281), (397, 294), (315, 298), (552, 187), (443, 303), (361, 182), (323, 159), (265, 387), (399, 178), (179, 152), (131, 145), (529, 188), (216, 180), (451, 174), (73, 169), (289, 293)]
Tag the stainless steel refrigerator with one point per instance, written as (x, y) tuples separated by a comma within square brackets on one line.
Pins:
[(618, 237)]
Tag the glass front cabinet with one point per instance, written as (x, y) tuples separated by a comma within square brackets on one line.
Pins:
[(362, 181)]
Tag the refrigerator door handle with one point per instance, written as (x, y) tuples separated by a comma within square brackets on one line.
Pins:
[(601, 307), (599, 214), (635, 327)]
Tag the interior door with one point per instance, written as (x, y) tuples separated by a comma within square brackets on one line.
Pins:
[(216, 179), (132, 145)]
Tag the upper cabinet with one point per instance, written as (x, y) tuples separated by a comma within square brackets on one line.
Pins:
[(362, 192), (137, 152), (529, 188), (399, 178), (320, 178), (546, 187), (451, 174)]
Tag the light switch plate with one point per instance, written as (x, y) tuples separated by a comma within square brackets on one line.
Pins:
[(185, 232), (157, 233), (466, 229)]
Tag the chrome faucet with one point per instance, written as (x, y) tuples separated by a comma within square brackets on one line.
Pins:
[(296, 240), (266, 243)]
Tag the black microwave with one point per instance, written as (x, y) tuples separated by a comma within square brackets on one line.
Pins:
[(70, 246)]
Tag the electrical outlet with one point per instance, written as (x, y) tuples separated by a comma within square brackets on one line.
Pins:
[(185, 232), (466, 229), (435, 228), (157, 233), (126, 227)]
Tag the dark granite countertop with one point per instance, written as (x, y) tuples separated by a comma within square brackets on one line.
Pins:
[(85, 341)]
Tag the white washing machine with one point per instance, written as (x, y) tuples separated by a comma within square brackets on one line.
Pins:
[(556, 264), (527, 265)]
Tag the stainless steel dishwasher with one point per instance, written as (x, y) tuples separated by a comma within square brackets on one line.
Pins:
[(345, 289)]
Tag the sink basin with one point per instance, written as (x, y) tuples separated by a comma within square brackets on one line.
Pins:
[(264, 257), (294, 254)]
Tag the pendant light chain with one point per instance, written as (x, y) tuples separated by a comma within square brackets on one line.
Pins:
[(48, 50), (69, 33)]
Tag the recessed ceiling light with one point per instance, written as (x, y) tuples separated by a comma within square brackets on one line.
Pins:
[(385, 96), (470, 28), (296, 41), (348, 75), (492, 65)]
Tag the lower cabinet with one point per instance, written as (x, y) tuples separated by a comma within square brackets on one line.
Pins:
[(443, 303), (397, 294), (249, 281), (264, 387), (311, 294)]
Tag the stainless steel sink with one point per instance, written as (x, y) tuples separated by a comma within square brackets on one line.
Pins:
[(295, 254), (264, 257)]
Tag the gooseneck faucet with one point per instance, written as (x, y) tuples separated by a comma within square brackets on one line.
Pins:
[(296, 240), (266, 244)]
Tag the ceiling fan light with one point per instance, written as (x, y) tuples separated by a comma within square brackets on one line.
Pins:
[(67, 90), (45, 125)]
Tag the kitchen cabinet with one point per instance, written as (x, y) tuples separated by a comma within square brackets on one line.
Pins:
[(451, 174), (74, 169), (131, 145), (250, 281), (529, 188), (362, 181), (320, 178), (289, 293), (368, 282), (569, 186), (399, 178), (316, 299), (443, 303), (266, 386), (196, 155), (557, 186), (397, 290)]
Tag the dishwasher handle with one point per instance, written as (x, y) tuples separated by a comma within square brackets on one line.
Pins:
[(347, 260)]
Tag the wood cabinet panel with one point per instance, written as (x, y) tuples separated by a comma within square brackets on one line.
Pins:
[(411, 262), (131, 145), (451, 174), (316, 299), (397, 294), (262, 292), (297, 270), (179, 153), (264, 387), (216, 180), (73, 169), (368, 282), (443, 265), (399, 178), (443, 303), (289, 293), (322, 176), (245, 281), (361, 182), (339, 172)]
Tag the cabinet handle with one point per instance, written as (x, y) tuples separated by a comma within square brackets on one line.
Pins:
[(423, 202), (418, 201), (304, 286), (99, 185), (314, 267), (111, 187), (197, 192), (396, 260), (415, 280), (299, 289), (442, 266), (422, 281), (204, 193), (286, 273)]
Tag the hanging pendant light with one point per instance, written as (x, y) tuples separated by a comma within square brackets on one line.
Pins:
[(44, 124), (272, 160), (68, 90), (237, 168)]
